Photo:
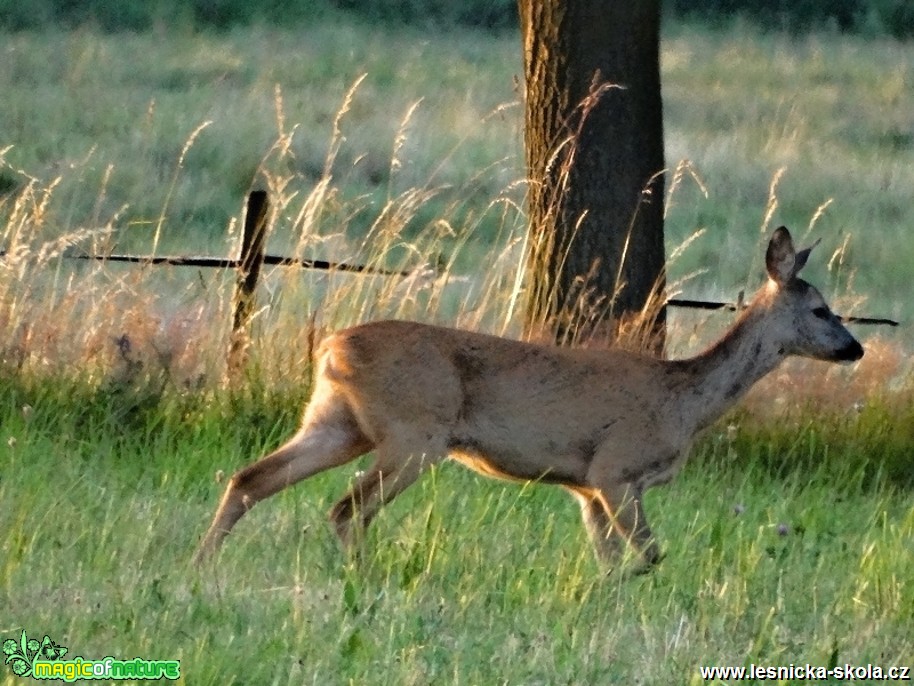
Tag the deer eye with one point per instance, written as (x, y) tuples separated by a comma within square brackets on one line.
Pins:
[(821, 312)]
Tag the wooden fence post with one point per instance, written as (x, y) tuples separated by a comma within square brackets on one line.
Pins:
[(253, 240)]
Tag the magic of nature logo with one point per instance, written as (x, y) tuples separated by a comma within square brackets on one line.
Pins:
[(44, 659)]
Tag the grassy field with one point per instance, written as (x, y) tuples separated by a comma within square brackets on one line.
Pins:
[(782, 547), (788, 536)]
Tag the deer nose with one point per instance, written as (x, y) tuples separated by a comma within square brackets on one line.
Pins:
[(852, 352)]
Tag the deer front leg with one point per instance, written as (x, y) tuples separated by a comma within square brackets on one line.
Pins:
[(622, 517), (607, 544)]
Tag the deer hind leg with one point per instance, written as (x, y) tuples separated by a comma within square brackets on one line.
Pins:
[(330, 437), (396, 468)]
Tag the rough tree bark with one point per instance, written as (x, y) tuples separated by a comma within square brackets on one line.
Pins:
[(594, 153)]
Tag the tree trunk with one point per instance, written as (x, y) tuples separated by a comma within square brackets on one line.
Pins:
[(594, 152)]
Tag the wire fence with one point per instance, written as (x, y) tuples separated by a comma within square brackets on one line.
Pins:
[(253, 257)]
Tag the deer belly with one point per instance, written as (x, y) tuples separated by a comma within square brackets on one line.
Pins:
[(515, 465)]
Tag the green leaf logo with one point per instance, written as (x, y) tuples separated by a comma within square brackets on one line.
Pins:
[(21, 655), (18, 654)]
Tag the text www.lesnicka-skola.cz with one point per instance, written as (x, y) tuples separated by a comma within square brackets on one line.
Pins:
[(808, 672)]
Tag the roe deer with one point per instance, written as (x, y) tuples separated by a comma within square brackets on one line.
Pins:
[(604, 424)]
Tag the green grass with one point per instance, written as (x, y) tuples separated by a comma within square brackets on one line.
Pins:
[(788, 537), (464, 580)]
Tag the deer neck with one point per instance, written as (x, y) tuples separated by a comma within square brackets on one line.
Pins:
[(728, 369)]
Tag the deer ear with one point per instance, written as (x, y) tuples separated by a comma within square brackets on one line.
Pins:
[(781, 258)]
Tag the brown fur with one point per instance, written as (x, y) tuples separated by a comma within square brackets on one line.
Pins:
[(604, 424)]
